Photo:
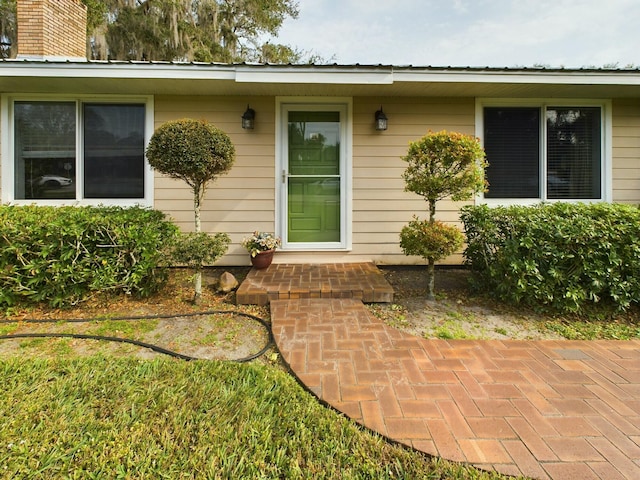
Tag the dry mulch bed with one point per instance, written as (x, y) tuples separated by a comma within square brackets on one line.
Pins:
[(194, 331)]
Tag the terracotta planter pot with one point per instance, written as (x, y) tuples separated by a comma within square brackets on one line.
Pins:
[(262, 259)]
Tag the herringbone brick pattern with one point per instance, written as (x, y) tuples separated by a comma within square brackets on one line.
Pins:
[(331, 280), (544, 409)]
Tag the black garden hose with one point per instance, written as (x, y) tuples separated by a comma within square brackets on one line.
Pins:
[(155, 348)]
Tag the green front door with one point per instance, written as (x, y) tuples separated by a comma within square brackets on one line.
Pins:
[(313, 177)]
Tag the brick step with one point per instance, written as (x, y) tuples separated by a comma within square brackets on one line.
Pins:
[(362, 281)]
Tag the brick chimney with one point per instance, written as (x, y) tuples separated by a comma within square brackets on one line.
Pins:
[(52, 30)]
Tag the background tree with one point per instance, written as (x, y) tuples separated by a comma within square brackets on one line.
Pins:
[(179, 30), (97, 11), (440, 165), (8, 32), (196, 152)]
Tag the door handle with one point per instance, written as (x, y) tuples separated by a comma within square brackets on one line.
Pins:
[(284, 176)]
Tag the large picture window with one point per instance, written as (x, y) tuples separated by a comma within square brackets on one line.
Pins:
[(74, 150), (544, 152)]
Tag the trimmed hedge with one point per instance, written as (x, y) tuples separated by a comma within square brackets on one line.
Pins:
[(60, 255), (557, 257)]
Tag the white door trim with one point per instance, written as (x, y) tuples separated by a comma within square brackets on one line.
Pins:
[(345, 106)]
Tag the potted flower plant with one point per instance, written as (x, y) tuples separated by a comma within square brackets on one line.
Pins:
[(261, 246)]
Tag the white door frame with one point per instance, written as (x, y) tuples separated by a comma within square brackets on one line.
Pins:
[(344, 105)]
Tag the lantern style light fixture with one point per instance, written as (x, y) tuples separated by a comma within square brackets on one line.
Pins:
[(381, 120), (248, 118)]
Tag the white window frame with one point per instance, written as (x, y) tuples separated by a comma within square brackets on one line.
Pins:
[(7, 103), (606, 134), (345, 106)]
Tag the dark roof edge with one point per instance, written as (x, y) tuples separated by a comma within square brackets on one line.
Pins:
[(356, 66)]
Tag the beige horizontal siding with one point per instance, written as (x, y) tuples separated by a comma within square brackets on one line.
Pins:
[(378, 257), (626, 151), (244, 199), (381, 207)]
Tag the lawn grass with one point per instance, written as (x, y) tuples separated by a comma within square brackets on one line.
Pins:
[(107, 417), (115, 328), (595, 329)]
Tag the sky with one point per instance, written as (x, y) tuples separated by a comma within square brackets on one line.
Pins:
[(475, 33)]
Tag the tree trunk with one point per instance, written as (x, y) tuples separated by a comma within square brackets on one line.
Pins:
[(432, 210), (197, 280), (431, 275), (431, 267), (197, 197), (197, 284)]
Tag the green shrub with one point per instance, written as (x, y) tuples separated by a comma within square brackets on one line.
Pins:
[(59, 255), (558, 257), (430, 240), (195, 249), (193, 151)]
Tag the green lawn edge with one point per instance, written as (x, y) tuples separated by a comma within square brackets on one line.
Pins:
[(107, 417)]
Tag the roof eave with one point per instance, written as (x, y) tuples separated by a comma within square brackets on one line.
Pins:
[(265, 79), (269, 73)]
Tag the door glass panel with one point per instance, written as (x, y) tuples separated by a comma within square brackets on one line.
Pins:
[(313, 177), (45, 150)]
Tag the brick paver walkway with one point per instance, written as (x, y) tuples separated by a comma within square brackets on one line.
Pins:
[(544, 409)]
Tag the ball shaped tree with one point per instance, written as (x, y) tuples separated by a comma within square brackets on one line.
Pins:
[(196, 152), (440, 165)]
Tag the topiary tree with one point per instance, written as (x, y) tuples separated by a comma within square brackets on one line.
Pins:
[(196, 152), (441, 165)]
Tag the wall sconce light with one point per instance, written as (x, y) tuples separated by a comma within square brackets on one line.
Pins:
[(381, 120), (248, 118)]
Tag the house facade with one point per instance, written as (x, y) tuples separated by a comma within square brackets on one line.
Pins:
[(314, 168)]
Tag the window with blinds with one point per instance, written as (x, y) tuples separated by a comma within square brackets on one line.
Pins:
[(71, 150), (512, 145), (573, 153), (543, 152)]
